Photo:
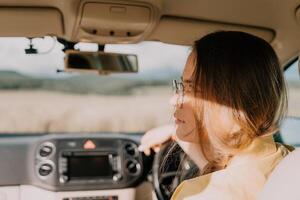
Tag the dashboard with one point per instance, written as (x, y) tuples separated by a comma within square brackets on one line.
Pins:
[(71, 166)]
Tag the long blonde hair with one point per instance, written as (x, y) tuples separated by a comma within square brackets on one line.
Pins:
[(241, 72)]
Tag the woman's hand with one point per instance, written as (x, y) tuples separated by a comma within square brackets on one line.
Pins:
[(154, 138)]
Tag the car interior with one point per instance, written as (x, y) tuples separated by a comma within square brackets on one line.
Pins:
[(102, 163)]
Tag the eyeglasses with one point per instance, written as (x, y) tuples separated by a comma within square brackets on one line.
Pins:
[(178, 89), (182, 88)]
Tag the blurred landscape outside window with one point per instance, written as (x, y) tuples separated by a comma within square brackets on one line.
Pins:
[(37, 99)]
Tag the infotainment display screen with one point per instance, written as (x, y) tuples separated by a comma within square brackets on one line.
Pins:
[(89, 166)]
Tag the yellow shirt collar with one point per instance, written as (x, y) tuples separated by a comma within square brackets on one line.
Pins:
[(260, 147)]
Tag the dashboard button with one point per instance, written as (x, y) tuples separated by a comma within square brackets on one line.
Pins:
[(45, 169), (133, 167), (117, 177), (63, 179), (131, 149), (46, 151)]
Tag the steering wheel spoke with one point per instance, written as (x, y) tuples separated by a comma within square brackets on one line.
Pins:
[(168, 170), (167, 175)]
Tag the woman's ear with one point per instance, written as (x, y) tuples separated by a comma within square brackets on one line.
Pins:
[(219, 119)]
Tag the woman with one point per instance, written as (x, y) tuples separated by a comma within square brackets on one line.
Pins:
[(231, 100)]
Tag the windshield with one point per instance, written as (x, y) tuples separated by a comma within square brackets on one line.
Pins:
[(36, 98)]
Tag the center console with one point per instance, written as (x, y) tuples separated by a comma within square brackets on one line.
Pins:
[(73, 166), (87, 163)]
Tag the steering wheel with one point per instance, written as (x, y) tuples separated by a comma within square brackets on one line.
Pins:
[(170, 167)]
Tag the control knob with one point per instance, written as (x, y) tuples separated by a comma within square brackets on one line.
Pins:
[(45, 169)]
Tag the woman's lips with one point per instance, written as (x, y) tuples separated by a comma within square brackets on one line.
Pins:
[(178, 121)]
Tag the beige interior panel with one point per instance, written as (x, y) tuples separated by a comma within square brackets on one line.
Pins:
[(9, 193), (145, 191), (30, 22), (174, 30), (115, 21), (28, 192), (298, 15)]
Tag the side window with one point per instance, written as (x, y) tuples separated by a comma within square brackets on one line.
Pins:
[(290, 129)]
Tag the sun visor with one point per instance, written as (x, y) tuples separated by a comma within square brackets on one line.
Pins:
[(298, 14), (113, 22), (30, 22), (185, 31), (298, 66), (298, 20)]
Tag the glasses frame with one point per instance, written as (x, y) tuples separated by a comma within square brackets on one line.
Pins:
[(178, 88)]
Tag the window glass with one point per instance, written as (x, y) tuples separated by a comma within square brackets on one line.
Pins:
[(36, 98), (293, 85), (290, 129)]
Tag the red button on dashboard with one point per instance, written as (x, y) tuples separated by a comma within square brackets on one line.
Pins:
[(89, 144)]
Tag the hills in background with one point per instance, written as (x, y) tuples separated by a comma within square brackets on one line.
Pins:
[(94, 84), (87, 83)]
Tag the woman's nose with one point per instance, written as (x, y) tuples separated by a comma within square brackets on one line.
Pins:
[(173, 100)]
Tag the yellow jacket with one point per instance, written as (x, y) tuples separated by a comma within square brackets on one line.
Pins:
[(242, 179)]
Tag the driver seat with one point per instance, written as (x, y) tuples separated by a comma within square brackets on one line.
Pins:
[(284, 181)]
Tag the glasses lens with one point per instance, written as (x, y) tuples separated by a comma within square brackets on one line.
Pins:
[(175, 86), (179, 90)]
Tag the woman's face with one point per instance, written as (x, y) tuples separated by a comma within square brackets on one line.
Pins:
[(184, 113)]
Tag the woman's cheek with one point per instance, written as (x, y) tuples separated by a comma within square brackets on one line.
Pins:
[(187, 130)]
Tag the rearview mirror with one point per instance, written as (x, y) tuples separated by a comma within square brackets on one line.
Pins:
[(100, 62)]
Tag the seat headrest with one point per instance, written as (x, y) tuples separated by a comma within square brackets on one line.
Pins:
[(284, 182)]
